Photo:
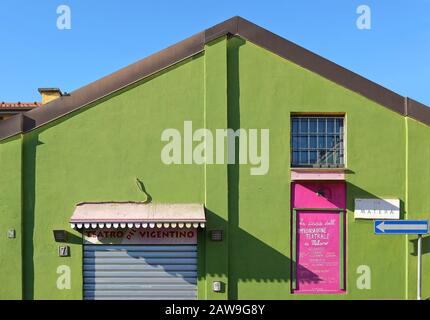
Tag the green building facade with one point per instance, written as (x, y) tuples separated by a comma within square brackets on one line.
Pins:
[(93, 145)]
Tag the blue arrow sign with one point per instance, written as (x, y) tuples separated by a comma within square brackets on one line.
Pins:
[(401, 227)]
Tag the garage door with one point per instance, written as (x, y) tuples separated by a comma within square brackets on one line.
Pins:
[(144, 272)]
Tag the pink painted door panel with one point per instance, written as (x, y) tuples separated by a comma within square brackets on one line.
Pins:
[(318, 239), (318, 252)]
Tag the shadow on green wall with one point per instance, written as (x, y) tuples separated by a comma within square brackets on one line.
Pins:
[(425, 245), (142, 188), (355, 192), (73, 239), (249, 259), (31, 142)]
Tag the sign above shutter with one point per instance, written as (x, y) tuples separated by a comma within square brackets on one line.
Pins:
[(137, 215)]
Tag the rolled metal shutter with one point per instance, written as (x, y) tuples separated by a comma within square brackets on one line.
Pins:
[(142, 272)]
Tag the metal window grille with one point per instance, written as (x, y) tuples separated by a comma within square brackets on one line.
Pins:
[(317, 142)]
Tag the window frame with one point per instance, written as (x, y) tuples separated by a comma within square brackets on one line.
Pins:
[(295, 140)]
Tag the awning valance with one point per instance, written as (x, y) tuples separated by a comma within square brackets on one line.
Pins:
[(137, 215)]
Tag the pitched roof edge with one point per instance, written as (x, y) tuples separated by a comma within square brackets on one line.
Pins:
[(332, 71), (322, 66), (195, 44), (417, 111), (105, 86)]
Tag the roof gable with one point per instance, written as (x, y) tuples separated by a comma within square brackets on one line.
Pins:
[(194, 45)]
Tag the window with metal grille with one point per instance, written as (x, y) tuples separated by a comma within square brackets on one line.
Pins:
[(317, 142)]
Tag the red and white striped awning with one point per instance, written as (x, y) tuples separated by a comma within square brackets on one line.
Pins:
[(137, 215)]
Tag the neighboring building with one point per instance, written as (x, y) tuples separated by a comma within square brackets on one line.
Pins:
[(10, 109), (91, 166), (50, 94)]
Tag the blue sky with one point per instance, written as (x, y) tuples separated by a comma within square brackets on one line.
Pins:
[(109, 34)]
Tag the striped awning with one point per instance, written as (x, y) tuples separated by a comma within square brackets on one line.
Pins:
[(137, 215)]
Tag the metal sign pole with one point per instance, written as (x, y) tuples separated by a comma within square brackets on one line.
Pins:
[(418, 227), (420, 239)]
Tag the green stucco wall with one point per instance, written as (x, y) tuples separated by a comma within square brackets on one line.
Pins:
[(418, 202), (271, 88), (10, 219), (97, 153)]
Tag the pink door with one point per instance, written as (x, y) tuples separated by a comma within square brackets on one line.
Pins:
[(318, 236)]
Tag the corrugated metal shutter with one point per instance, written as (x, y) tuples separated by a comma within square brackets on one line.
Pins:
[(143, 272)]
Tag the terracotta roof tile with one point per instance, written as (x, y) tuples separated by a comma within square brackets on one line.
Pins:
[(19, 104)]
